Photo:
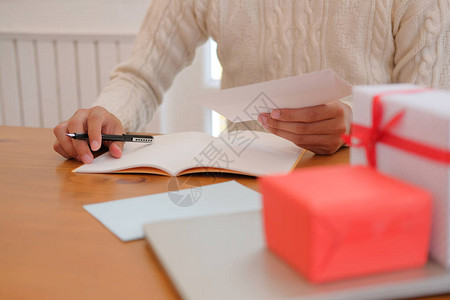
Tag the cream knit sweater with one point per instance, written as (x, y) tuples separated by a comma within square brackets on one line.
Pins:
[(364, 41)]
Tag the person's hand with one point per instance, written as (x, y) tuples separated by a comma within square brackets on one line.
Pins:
[(94, 122), (318, 128)]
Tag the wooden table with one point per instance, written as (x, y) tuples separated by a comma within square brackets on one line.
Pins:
[(51, 248)]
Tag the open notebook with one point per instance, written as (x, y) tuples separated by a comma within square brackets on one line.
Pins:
[(240, 152)]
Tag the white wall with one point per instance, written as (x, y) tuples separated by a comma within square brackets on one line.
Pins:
[(116, 17), (72, 16)]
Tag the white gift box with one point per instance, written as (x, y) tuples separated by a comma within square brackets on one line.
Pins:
[(416, 149)]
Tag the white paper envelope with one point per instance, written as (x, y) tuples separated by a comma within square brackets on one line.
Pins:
[(426, 121), (247, 102), (126, 217)]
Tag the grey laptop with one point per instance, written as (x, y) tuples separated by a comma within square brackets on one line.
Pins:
[(224, 257)]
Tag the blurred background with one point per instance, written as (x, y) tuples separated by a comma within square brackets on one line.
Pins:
[(56, 56)]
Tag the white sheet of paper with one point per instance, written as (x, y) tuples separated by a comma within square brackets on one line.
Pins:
[(247, 102), (125, 218)]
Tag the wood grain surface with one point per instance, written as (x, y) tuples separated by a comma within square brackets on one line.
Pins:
[(51, 248)]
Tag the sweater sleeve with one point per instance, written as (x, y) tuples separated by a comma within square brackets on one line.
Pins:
[(421, 29), (165, 44)]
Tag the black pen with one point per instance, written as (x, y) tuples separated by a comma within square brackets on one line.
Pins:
[(111, 137)]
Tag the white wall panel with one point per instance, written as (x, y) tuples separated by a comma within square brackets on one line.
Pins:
[(125, 50), (45, 78), (48, 87), (72, 16), (2, 115), (181, 113), (67, 78), (28, 83), (12, 110), (108, 58), (87, 75), (77, 43)]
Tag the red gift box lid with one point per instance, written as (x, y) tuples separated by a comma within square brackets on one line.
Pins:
[(336, 222)]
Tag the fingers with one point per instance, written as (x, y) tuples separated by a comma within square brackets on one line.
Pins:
[(94, 121), (319, 144), (328, 126), (310, 114), (78, 124), (317, 128), (58, 148), (115, 149), (95, 124), (63, 144), (114, 126)]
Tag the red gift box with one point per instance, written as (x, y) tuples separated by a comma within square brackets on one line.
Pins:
[(332, 223)]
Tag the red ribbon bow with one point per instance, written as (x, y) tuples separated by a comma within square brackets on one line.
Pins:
[(369, 137)]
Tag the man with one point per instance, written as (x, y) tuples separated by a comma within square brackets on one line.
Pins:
[(366, 42)]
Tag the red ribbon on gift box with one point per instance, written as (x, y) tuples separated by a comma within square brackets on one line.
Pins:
[(368, 137)]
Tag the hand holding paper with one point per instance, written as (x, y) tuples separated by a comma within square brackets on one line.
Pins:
[(318, 128), (303, 109), (247, 102)]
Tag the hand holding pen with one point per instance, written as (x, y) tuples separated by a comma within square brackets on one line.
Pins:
[(94, 122), (148, 139)]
